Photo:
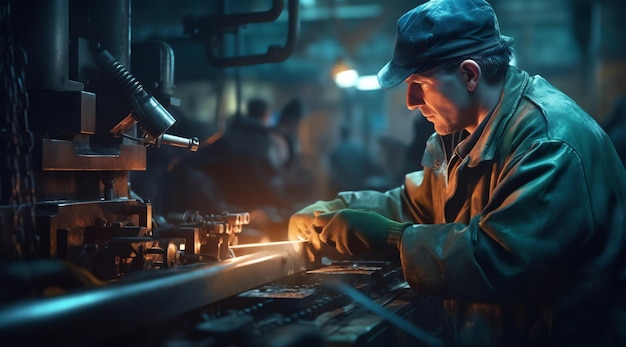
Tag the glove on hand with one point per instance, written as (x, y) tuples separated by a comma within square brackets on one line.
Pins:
[(301, 222), (354, 231)]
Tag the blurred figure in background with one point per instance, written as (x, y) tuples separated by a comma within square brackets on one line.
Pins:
[(351, 166), (392, 154), (253, 137), (422, 129), (288, 124), (400, 158), (298, 181), (240, 172), (258, 157)]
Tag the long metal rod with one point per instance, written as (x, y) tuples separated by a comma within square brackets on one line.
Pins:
[(265, 244), (166, 294)]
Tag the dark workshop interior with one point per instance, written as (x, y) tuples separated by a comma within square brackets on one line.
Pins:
[(106, 239)]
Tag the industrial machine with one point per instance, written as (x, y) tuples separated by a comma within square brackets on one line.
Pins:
[(85, 261)]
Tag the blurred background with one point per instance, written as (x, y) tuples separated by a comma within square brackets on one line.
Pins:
[(578, 45)]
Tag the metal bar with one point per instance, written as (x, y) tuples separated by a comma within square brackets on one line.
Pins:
[(163, 295)]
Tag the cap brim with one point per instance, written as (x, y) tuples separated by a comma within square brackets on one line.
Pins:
[(391, 75)]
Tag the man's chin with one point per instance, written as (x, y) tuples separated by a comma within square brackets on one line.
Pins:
[(442, 132)]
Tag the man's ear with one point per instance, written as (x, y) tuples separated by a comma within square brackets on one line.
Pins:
[(470, 71)]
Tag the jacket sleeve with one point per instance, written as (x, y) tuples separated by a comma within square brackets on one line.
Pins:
[(388, 204), (536, 219)]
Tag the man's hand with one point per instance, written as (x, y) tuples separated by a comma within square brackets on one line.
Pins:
[(353, 231), (301, 224)]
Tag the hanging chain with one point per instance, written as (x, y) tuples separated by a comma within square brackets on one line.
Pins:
[(19, 138)]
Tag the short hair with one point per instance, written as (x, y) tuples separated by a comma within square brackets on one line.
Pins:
[(494, 62), (257, 108)]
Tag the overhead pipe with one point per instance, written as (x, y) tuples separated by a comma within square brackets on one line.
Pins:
[(201, 25), (208, 31)]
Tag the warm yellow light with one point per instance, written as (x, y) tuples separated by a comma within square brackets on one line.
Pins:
[(344, 75)]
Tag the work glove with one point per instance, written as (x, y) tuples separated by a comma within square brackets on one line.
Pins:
[(353, 231), (301, 226)]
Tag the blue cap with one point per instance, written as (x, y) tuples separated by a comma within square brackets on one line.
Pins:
[(438, 30)]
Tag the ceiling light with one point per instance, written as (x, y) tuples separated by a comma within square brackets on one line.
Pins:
[(369, 82), (344, 75), (346, 78)]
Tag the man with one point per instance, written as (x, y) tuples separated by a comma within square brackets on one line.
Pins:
[(517, 220)]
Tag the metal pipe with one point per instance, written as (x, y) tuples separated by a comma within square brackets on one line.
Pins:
[(156, 296), (44, 33), (274, 53), (199, 25)]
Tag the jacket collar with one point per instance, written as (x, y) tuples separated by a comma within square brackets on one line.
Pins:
[(515, 84)]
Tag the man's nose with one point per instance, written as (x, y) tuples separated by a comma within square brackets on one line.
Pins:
[(414, 96)]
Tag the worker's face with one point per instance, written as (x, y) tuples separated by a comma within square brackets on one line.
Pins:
[(443, 99)]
